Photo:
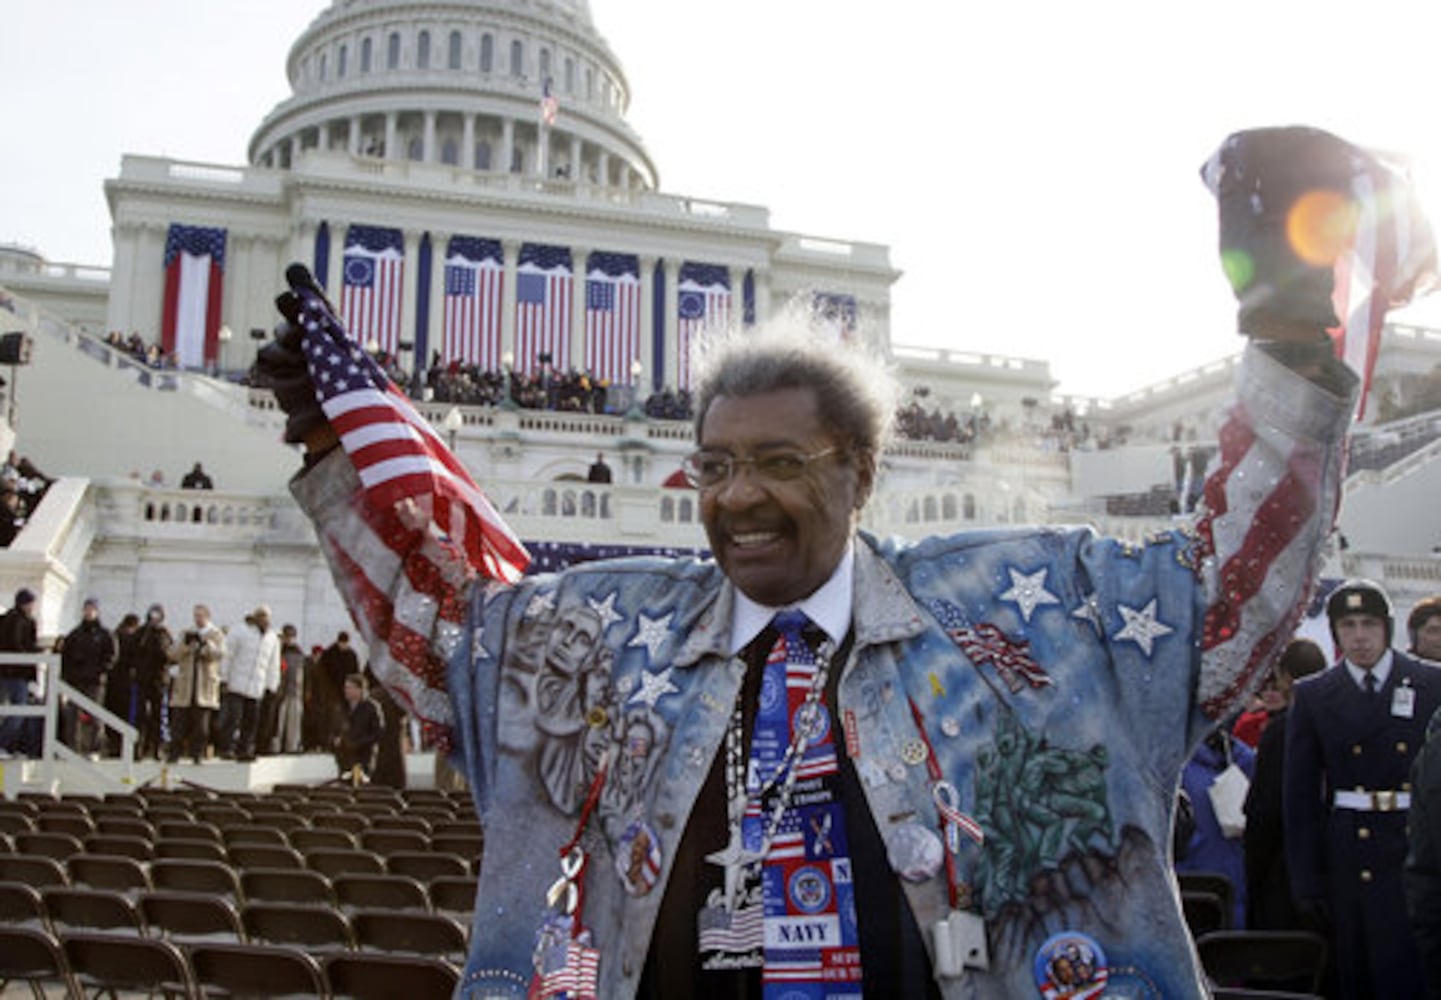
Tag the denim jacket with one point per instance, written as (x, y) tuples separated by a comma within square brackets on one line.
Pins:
[(1062, 680)]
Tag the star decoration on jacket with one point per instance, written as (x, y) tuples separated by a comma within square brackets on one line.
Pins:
[(653, 687), (1028, 591), (605, 610), (1089, 610), (1142, 627), (650, 633), (541, 603)]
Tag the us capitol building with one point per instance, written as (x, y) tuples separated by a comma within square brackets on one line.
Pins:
[(462, 178)]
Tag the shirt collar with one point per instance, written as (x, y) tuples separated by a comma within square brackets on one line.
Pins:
[(829, 606), (1380, 671)]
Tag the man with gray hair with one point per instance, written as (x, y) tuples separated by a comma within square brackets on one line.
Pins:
[(821, 762)]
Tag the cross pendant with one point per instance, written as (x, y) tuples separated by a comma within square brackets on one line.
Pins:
[(734, 858)]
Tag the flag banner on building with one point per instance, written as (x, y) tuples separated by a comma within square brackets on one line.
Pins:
[(372, 275), (612, 316), (549, 105), (834, 316), (542, 308), (1393, 259), (194, 285), (474, 280), (703, 300)]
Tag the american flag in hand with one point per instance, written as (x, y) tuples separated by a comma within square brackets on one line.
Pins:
[(396, 453)]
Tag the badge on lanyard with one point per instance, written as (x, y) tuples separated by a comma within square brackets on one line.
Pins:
[(1403, 700)]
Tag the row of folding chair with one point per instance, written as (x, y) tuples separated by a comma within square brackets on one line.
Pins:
[(78, 963), (186, 917)]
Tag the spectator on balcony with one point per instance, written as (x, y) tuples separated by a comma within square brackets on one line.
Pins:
[(197, 479), (17, 635), (12, 516), (599, 471), (252, 668), (152, 683), (86, 654), (195, 685)]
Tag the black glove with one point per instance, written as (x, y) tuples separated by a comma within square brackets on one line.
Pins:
[(280, 365), (1258, 177)]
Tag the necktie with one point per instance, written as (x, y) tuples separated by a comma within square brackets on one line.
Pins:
[(1370, 683), (810, 911)]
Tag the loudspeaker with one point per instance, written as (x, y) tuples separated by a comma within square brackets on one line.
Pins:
[(15, 349)]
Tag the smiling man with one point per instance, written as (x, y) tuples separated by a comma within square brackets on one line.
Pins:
[(1354, 731), (826, 765)]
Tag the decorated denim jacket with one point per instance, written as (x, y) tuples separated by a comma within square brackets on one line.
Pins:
[(1062, 680)]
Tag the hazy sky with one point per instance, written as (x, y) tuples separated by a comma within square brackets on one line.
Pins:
[(1033, 167)]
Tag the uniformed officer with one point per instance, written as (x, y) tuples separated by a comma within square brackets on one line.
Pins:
[(1353, 733)]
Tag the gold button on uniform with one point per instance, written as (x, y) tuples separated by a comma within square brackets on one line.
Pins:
[(1355, 749), (1365, 874), (1401, 747), (1363, 832)]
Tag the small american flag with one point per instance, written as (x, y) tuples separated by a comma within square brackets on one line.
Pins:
[(549, 106), (986, 643), (396, 454)]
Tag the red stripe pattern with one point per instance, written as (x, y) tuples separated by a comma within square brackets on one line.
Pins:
[(472, 312)]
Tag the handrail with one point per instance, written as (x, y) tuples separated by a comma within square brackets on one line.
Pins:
[(47, 668)]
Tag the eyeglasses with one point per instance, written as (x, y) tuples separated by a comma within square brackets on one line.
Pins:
[(706, 469)]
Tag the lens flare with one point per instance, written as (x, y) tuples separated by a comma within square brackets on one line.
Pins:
[(1321, 226)]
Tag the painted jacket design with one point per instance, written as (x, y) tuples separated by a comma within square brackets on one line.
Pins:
[(1062, 679)]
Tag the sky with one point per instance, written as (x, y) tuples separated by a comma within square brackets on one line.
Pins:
[(1032, 167)]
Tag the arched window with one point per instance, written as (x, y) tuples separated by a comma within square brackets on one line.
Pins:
[(392, 51), (667, 510), (968, 507), (569, 75), (450, 152), (322, 67), (544, 65), (517, 58), (482, 155), (422, 50), (948, 507), (487, 53), (928, 510), (686, 515), (365, 55), (415, 149), (340, 62), (452, 56), (517, 160), (587, 504), (548, 503)]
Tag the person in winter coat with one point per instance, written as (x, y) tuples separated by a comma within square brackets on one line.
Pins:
[(152, 680), (251, 669), (195, 685), (86, 654), (359, 743), (17, 635), (290, 708), (120, 691)]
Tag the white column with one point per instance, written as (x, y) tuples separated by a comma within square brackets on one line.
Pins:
[(647, 325), (390, 124), (734, 277), (352, 144), (467, 141), (126, 239), (575, 158), (507, 143), (294, 150), (510, 250), (602, 169), (578, 255), (334, 272), (411, 291), (763, 295), (435, 329), (427, 152), (671, 376)]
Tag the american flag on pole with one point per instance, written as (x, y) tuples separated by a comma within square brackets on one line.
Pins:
[(542, 307), (549, 105), (474, 277), (397, 455), (373, 271), (1393, 258), (194, 283), (612, 316), (703, 300)]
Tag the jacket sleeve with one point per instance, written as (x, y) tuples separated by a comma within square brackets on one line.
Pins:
[(1423, 860), (1302, 801), (1270, 503), (405, 584)]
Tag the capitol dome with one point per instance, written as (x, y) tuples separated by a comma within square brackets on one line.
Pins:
[(466, 84)]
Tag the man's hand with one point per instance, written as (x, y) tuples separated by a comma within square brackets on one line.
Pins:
[(280, 366), (1288, 212)]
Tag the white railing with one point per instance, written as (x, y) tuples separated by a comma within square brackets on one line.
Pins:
[(47, 666)]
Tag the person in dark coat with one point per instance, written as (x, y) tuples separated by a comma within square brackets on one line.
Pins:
[(336, 663), (359, 742), (120, 693), (1268, 888), (86, 653), (17, 635), (152, 683), (390, 754), (1423, 861), (1208, 848), (1351, 737)]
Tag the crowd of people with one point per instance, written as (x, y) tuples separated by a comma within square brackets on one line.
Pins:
[(22, 487), (147, 353), (201, 691)]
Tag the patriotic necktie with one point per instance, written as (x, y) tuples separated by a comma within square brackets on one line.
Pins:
[(811, 938)]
